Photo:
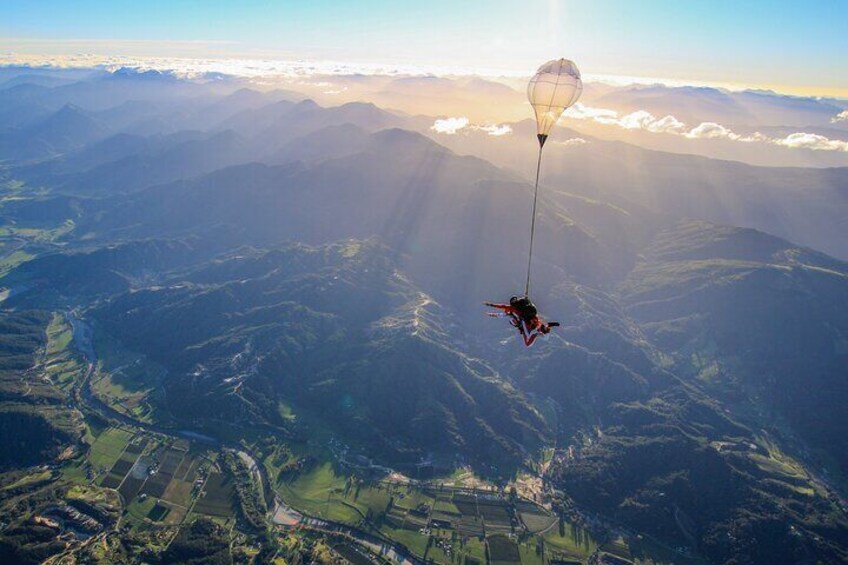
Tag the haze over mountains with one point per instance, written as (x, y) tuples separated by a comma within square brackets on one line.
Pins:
[(290, 262)]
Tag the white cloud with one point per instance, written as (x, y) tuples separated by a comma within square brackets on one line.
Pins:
[(336, 90), (194, 60), (572, 141), (494, 129), (635, 120), (668, 124), (645, 121), (711, 130), (449, 126), (601, 115), (812, 141), (840, 117)]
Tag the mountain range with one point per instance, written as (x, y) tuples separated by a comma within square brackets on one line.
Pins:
[(302, 268)]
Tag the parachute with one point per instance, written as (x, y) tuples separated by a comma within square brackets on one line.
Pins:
[(555, 86)]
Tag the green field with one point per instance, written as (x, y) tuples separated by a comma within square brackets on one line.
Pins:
[(35, 235), (139, 510), (63, 366), (169, 492), (502, 550), (108, 446), (537, 521), (218, 497), (530, 554), (412, 540), (12, 260), (178, 492), (320, 492), (29, 480), (399, 512), (128, 382), (569, 541), (446, 506)]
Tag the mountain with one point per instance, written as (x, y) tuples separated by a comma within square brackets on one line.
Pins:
[(474, 97), (696, 104), (164, 162), (35, 424), (439, 212), (53, 279), (307, 117), (690, 104), (765, 311), (304, 284), (329, 142), (67, 129), (308, 318), (804, 205)]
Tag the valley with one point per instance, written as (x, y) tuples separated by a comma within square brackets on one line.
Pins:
[(240, 326), (164, 478)]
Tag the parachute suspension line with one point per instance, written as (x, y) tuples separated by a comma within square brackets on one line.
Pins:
[(542, 139)]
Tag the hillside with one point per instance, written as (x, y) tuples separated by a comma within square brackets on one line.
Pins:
[(295, 325), (276, 318)]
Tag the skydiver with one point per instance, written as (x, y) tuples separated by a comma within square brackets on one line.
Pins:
[(524, 316)]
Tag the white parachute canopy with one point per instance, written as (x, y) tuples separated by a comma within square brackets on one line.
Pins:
[(554, 87)]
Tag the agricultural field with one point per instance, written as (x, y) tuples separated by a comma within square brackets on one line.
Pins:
[(569, 541), (63, 367), (443, 524), (108, 447), (166, 482), (167, 462), (320, 492), (217, 497), (159, 480), (127, 470), (352, 553), (128, 382), (534, 518), (502, 550)]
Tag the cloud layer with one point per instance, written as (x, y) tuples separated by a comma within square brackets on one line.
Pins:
[(645, 121)]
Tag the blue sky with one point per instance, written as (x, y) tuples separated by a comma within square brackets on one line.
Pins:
[(788, 45)]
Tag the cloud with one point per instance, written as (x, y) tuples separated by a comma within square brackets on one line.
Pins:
[(494, 129), (192, 58), (812, 141), (635, 120), (449, 126), (645, 121), (601, 115), (572, 141), (711, 130), (840, 117)]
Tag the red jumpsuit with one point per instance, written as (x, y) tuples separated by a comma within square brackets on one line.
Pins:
[(529, 329)]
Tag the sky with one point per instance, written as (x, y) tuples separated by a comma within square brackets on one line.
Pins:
[(789, 46)]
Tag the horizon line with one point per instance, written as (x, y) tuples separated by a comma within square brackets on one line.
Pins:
[(286, 66)]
